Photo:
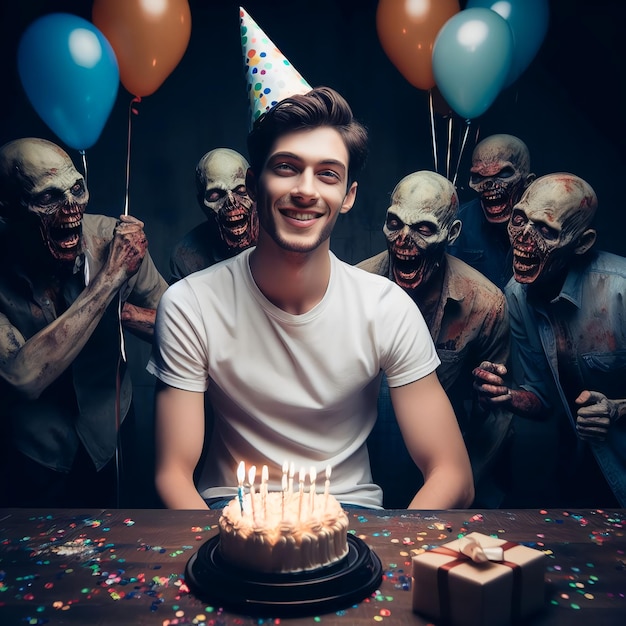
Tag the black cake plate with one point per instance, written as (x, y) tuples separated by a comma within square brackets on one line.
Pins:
[(324, 590)]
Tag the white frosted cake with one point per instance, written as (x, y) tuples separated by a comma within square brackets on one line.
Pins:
[(283, 532)]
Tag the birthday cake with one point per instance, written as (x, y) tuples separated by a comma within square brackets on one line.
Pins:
[(283, 532)]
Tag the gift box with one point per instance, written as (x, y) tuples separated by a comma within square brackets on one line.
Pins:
[(451, 588)]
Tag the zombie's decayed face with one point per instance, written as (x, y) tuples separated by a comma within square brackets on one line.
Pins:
[(499, 174), (41, 186), (222, 193), (417, 228), (546, 226)]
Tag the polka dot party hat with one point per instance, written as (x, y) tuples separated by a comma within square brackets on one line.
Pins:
[(270, 77)]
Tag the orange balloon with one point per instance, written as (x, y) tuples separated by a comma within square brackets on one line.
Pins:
[(407, 30), (149, 38)]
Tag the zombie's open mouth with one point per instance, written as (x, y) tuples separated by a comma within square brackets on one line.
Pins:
[(237, 225), (495, 203), (525, 265), (236, 221), (66, 236), (407, 269)]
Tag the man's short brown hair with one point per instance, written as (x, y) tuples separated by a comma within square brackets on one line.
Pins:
[(319, 107)]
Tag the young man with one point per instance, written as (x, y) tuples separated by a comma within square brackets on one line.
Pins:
[(291, 342)]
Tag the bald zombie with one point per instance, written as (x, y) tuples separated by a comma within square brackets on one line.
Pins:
[(499, 174), (65, 276), (231, 218), (465, 313), (569, 338)]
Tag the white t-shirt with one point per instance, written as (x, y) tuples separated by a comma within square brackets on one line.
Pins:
[(296, 388)]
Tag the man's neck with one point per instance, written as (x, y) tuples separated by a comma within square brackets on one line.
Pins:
[(294, 282)]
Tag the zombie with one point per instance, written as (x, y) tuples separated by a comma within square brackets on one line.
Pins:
[(231, 225), (568, 326), (465, 313), (69, 283), (499, 174)]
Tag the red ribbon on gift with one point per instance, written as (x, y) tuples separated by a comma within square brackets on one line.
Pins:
[(443, 584)]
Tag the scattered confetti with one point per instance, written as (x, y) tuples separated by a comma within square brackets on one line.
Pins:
[(113, 563)]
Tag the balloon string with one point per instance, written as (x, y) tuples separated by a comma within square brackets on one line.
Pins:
[(477, 135), (449, 152), (83, 157), (458, 163), (432, 127), (131, 110)]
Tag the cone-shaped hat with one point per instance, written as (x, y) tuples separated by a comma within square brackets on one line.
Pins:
[(270, 77)]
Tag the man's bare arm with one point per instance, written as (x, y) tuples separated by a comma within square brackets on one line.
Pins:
[(179, 441), (433, 438)]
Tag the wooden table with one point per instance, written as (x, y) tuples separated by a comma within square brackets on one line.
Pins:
[(123, 567)]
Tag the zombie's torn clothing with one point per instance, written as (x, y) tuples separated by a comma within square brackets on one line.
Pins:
[(479, 245), (198, 249), (575, 342), (290, 387), (80, 404), (470, 325)]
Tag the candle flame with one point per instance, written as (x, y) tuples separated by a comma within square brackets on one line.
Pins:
[(252, 474), (241, 472)]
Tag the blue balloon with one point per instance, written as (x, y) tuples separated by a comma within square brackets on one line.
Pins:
[(70, 74), (471, 60), (528, 21)]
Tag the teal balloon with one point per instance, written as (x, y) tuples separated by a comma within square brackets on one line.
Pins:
[(528, 21), (472, 57), (70, 75)]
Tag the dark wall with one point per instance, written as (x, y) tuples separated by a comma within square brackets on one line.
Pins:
[(568, 107)]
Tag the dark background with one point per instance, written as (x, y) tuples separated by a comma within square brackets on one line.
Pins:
[(568, 106)]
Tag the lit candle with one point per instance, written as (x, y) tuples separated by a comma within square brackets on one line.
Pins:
[(326, 485), (241, 474), (312, 477), (284, 491), (264, 479), (251, 477), (300, 492), (292, 471), (285, 470)]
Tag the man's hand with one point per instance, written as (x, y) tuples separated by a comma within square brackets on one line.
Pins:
[(595, 415)]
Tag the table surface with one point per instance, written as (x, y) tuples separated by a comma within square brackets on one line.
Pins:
[(120, 567)]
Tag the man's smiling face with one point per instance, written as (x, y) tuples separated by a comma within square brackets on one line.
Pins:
[(303, 188)]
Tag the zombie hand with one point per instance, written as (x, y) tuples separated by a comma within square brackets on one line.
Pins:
[(596, 414), (128, 248), (489, 384), (493, 392)]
